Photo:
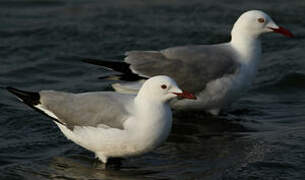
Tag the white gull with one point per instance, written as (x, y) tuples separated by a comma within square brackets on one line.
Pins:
[(217, 74), (108, 123)]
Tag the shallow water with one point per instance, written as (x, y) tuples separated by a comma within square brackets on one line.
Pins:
[(261, 136)]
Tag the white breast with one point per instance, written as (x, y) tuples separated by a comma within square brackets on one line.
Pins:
[(141, 134), (225, 90)]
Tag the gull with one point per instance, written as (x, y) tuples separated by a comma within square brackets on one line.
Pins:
[(218, 74), (110, 124)]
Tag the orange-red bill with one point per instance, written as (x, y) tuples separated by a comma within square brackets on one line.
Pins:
[(186, 95), (283, 31)]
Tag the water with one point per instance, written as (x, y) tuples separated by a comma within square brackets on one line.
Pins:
[(261, 136)]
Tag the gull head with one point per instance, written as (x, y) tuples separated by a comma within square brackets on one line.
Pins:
[(162, 88), (254, 23)]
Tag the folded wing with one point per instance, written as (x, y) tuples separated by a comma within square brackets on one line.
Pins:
[(87, 109), (191, 66)]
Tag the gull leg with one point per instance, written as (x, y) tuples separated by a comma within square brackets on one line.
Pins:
[(100, 161)]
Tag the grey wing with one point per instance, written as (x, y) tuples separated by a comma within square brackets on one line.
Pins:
[(192, 67), (87, 109)]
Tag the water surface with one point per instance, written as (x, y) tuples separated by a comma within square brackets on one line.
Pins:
[(261, 136)]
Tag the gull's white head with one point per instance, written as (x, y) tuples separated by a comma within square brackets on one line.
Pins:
[(253, 23), (162, 88)]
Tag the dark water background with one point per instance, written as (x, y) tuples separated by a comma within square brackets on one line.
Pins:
[(262, 136)]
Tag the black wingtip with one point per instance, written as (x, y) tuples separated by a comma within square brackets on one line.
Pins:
[(119, 66), (92, 61), (30, 98)]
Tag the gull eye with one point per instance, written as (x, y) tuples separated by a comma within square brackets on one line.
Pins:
[(261, 20), (163, 86)]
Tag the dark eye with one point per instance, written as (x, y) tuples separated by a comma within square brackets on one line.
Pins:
[(261, 20), (163, 86)]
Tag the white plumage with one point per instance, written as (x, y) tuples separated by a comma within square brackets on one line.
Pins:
[(108, 123)]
